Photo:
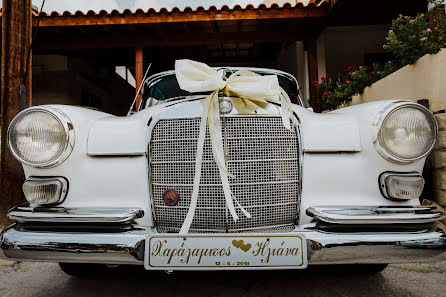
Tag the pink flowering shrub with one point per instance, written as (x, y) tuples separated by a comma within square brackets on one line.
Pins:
[(336, 92), (410, 38)]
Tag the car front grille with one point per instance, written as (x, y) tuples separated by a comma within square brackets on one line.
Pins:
[(260, 152)]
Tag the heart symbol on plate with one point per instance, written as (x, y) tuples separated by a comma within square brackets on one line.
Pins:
[(245, 247), (237, 244)]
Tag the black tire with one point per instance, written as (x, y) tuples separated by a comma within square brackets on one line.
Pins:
[(83, 270)]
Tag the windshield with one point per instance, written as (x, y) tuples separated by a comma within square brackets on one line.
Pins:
[(164, 86)]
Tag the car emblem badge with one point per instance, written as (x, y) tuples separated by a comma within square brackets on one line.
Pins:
[(171, 197), (225, 105)]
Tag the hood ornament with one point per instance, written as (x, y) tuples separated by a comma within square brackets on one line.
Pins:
[(171, 197), (225, 105)]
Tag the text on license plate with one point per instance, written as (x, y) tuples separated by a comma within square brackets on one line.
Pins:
[(225, 251)]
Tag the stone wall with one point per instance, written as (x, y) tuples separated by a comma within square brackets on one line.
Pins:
[(439, 161)]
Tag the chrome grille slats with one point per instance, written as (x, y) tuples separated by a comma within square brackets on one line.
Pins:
[(282, 194), (265, 216), (183, 173), (186, 190), (267, 171), (209, 219), (262, 154)]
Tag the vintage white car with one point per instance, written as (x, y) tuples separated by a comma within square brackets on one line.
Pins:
[(178, 186)]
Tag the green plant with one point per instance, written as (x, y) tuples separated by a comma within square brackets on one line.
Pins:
[(410, 38)]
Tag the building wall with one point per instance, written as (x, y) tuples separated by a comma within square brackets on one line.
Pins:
[(59, 79), (321, 52), (51, 80), (292, 60), (338, 47), (346, 45)]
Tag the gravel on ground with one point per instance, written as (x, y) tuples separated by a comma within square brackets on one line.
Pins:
[(24, 279)]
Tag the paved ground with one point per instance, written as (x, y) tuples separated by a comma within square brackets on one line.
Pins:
[(46, 279)]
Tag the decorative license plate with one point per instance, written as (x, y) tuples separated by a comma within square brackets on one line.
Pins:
[(254, 251)]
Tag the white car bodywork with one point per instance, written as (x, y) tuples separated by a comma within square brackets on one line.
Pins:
[(342, 213), (108, 166)]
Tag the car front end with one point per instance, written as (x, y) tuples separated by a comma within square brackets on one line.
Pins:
[(337, 188)]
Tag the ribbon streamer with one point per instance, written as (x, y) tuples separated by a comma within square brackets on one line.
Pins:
[(247, 91)]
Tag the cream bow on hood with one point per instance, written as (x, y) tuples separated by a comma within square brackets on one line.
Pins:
[(247, 91)]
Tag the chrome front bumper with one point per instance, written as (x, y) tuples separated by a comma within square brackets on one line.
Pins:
[(124, 242), (63, 215), (377, 215), (127, 247)]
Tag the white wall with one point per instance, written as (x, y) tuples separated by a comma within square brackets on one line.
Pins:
[(321, 59), (423, 80)]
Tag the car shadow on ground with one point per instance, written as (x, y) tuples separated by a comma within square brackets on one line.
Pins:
[(315, 281)]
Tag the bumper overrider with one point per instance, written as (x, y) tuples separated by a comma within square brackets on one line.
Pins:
[(339, 235)]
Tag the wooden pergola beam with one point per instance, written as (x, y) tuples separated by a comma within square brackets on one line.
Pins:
[(46, 42), (313, 73), (139, 64), (185, 16)]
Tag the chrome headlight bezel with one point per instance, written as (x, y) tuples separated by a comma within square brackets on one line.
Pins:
[(65, 123), (381, 118)]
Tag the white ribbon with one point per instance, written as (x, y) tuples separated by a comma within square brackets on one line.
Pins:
[(248, 91)]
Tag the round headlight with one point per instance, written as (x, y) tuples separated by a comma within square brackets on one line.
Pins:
[(407, 132), (41, 136)]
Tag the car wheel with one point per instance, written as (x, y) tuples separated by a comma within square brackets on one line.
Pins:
[(83, 270)]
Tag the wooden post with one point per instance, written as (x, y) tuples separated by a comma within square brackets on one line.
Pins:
[(16, 40), (139, 64), (313, 73)]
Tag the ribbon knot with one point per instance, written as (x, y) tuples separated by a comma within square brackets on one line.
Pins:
[(247, 91)]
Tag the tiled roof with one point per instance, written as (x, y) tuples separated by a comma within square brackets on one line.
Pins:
[(150, 7)]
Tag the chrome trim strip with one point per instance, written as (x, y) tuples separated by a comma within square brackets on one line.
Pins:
[(237, 207), (235, 184), (375, 215), (75, 215), (66, 123), (229, 161), (244, 230), (229, 138), (128, 247), (239, 231)]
